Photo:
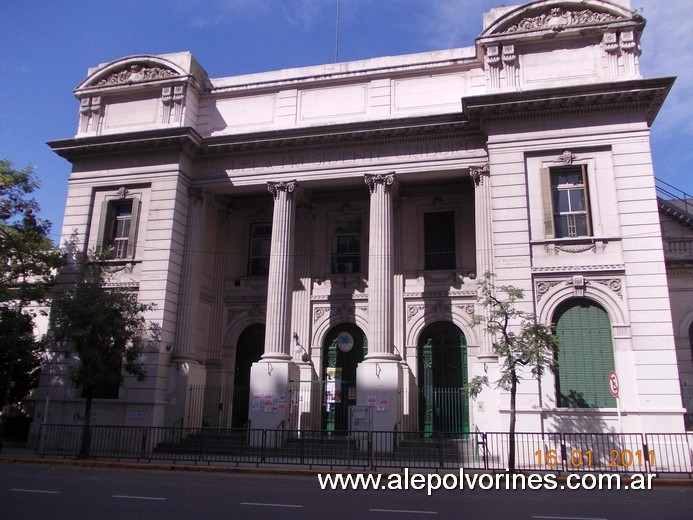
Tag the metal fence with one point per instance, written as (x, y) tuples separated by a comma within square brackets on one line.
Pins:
[(556, 452)]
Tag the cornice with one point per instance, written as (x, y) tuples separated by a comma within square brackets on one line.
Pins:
[(184, 139), (647, 95)]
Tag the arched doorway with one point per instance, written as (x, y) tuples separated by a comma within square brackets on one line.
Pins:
[(585, 355), (249, 349), (443, 404), (344, 348)]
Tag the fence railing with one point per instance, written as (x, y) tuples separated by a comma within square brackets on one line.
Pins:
[(556, 452)]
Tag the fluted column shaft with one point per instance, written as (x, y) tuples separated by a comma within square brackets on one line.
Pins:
[(380, 268), (484, 232), (190, 283), (281, 273), (223, 245)]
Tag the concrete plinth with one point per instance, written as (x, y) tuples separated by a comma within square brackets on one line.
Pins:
[(378, 384), (271, 386)]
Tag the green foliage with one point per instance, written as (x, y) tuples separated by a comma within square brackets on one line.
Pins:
[(103, 325), (26, 356), (28, 258), (519, 339)]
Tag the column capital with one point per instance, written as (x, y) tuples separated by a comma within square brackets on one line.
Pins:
[(373, 180), (198, 194), (478, 173), (275, 188)]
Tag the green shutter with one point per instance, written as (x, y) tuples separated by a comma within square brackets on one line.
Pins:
[(133, 228), (105, 223), (549, 231), (585, 356), (587, 199)]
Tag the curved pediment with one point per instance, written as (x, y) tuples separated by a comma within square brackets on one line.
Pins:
[(132, 70), (558, 15)]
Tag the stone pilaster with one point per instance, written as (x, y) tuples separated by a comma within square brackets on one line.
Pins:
[(222, 251), (484, 237), (186, 341)]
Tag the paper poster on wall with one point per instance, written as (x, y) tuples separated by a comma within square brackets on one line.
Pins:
[(382, 404), (333, 385), (371, 400)]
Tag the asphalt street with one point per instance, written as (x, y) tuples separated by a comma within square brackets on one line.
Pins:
[(71, 492)]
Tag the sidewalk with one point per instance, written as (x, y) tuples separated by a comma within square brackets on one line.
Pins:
[(21, 455)]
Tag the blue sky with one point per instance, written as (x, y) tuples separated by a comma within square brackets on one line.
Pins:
[(47, 47)]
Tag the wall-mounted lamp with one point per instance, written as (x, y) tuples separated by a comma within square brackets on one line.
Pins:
[(305, 357), (378, 370), (270, 369)]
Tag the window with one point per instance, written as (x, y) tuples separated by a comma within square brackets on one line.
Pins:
[(119, 225), (259, 252), (346, 256), (566, 202), (585, 355), (439, 240)]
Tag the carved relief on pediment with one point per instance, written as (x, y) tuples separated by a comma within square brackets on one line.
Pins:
[(136, 73), (559, 18)]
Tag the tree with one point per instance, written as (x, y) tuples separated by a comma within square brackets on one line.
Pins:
[(106, 329), (519, 340), (28, 260)]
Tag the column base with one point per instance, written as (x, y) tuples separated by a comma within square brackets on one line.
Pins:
[(272, 384), (378, 383)]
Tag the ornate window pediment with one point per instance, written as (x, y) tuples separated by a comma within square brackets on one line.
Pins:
[(135, 73), (559, 15), (131, 71)]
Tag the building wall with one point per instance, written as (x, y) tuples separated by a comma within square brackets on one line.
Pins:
[(466, 130)]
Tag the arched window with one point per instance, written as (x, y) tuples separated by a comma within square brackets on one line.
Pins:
[(585, 355)]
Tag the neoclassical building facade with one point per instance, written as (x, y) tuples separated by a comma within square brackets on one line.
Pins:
[(313, 238)]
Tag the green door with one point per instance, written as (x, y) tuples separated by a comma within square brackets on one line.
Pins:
[(444, 407), (344, 348)]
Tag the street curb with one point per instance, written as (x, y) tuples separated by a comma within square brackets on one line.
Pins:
[(679, 482)]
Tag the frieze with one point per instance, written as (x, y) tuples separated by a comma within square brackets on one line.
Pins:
[(329, 156), (469, 308), (544, 287), (614, 284), (559, 18), (413, 310), (136, 74), (573, 268), (573, 249)]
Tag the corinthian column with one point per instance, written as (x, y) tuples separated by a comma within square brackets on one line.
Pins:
[(281, 273), (380, 268)]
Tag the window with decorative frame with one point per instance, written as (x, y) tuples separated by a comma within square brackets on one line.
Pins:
[(566, 202), (118, 230)]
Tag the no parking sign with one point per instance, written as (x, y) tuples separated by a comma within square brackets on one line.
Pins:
[(613, 383)]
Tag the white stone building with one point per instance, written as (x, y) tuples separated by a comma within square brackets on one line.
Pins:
[(394, 183)]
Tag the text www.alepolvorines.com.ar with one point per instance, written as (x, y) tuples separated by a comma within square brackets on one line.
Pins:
[(470, 481)]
